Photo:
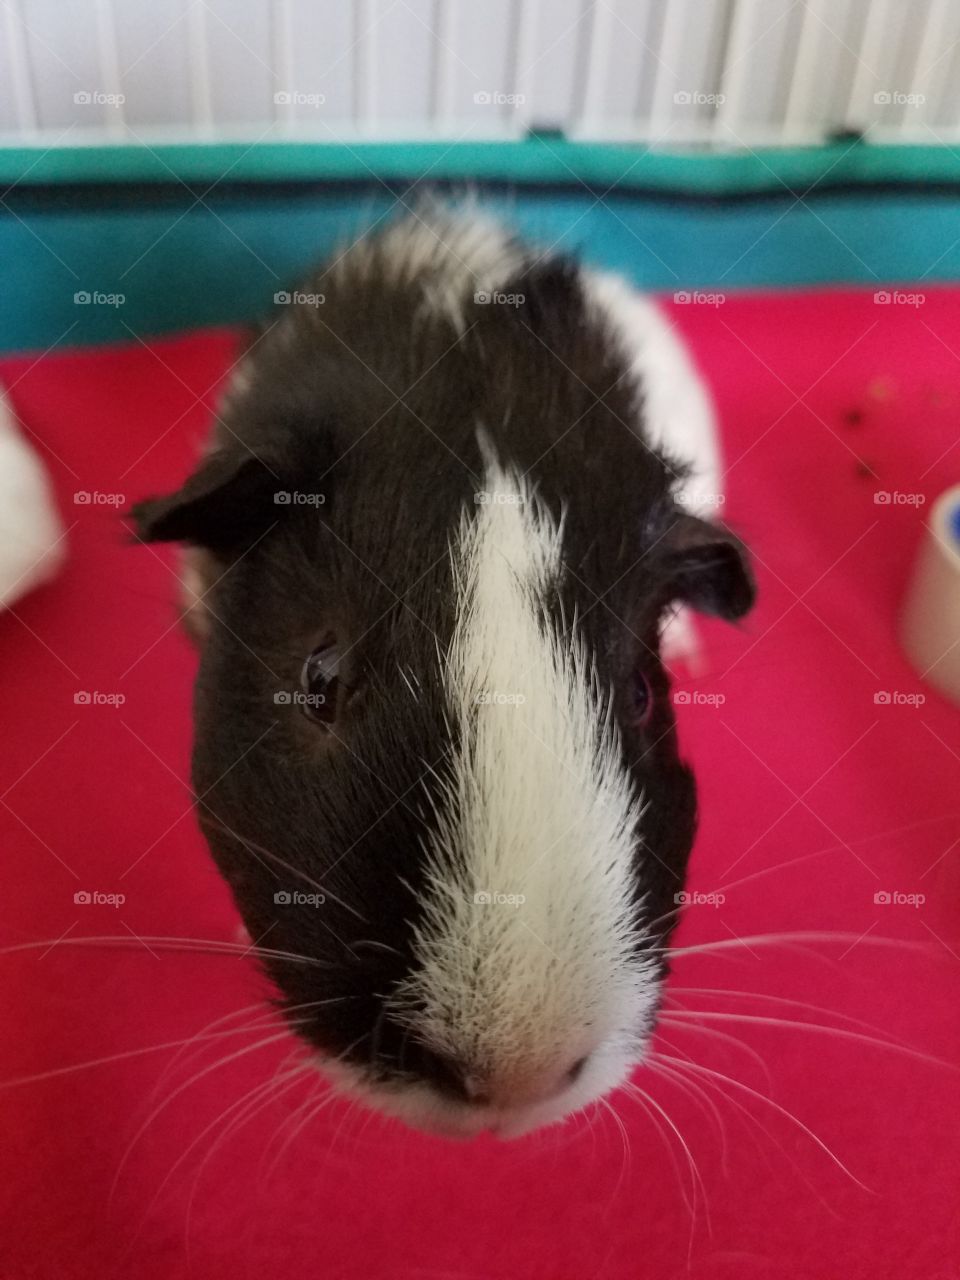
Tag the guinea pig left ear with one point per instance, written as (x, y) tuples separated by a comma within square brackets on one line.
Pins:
[(707, 567), (228, 502)]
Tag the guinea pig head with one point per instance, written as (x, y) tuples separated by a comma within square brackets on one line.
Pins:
[(435, 756)]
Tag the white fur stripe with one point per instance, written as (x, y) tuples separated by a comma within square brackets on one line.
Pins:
[(540, 816)]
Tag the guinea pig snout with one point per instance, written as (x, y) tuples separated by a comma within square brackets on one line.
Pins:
[(505, 1091)]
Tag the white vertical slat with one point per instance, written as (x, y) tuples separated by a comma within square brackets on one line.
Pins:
[(281, 46), (19, 70), (443, 82), (729, 124), (872, 66), (110, 63), (933, 63), (803, 78), (62, 49), (592, 113), (475, 68), (365, 64), (201, 97), (526, 70)]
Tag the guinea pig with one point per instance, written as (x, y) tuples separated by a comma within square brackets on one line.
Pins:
[(452, 501)]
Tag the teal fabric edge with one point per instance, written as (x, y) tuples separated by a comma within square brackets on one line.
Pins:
[(150, 260), (537, 159)]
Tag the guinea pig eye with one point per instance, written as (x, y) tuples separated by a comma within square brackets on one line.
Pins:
[(642, 698), (319, 681)]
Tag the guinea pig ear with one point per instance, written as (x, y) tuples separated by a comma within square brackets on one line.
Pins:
[(707, 567), (228, 502)]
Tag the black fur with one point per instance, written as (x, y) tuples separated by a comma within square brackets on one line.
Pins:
[(374, 402)]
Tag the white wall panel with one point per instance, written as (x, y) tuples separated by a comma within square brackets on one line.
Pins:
[(721, 73)]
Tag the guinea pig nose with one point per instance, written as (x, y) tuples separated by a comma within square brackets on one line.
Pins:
[(576, 1071), (476, 1091), (522, 1089)]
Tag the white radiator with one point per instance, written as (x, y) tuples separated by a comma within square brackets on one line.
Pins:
[(672, 73)]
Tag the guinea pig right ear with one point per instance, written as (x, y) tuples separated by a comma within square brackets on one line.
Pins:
[(707, 567), (228, 502)]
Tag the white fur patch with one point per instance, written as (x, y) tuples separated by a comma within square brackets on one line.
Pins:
[(453, 256), (678, 415), (526, 954)]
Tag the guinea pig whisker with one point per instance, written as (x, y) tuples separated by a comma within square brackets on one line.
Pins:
[(664, 1019), (271, 1017), (122, 1056), (258, 1090), (646, 1102), (764, 1132), (171, 1097), (256, 848), (686, 1065), (841, 1033), (795, 938), (280, 1083), (296, 1122), (788, 1002), (697, 1091), (626, 1161), (208, 946)]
